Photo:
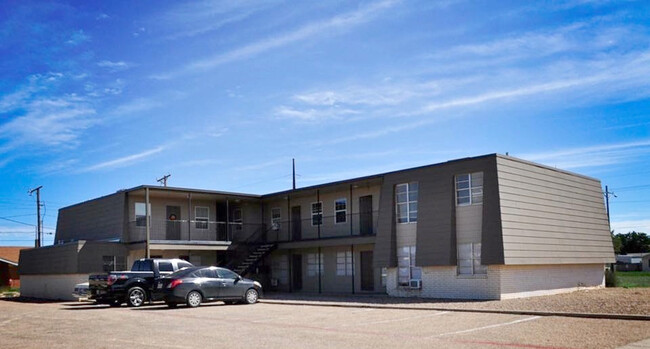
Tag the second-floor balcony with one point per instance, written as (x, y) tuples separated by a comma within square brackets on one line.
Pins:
[(192, 230), (323, 227)]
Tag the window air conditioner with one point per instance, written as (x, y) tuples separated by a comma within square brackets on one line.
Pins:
[(415, 284), (275, 226)]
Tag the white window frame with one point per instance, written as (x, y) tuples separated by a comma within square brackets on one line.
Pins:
[(201, 222), (406, 259), (409, 201), (317, 213), (344, 263), (313, 267), (135, 211), (276, 220), (337, 211), (473, 261), (474, 191)]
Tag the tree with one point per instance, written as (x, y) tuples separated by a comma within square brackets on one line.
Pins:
[(633, 242), (616, 240)]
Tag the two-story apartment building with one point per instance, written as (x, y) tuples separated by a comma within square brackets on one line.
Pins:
[(488, 227)]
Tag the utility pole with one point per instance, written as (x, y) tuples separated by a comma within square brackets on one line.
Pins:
[(607, 194), (39, 232), (163, 180), (293, 163)]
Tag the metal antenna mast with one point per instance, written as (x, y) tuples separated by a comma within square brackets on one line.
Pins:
[(163, 180), (293, 163), (39, 226)]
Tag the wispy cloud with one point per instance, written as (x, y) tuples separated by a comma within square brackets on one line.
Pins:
[(592, 156), (337, 23), (114, 66), (78, 37), (640, 225), (125, 160)]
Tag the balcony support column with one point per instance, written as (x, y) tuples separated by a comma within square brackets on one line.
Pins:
[(148, 220), (189, 216), (319, 223), (350, 216), (353, 271), (228, 237)]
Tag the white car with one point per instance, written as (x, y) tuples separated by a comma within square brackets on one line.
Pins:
[(80, 291)]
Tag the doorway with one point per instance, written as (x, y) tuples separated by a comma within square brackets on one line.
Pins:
[(296, 271), (296, 223), (367, 272), (365, 215), (173, 226)]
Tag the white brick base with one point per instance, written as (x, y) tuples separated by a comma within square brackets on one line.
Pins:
[(55, 287), (501, 281)]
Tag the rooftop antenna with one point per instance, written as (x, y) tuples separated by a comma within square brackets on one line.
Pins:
[(163, 180), (293, 164)]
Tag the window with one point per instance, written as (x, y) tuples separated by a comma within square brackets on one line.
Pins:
[(344, 263), (406, 269), (201, 217), (237, 218), (165, 266), (469, 259), (469, 189), (275, 215), (227, 274), (141, 214), (317, 213), (341, 210), (182, 265), (314, 265), (113, 263), (207, 273), (406, 196)]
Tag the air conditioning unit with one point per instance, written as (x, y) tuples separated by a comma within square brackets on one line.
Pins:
[(275, 226), (415, 284)]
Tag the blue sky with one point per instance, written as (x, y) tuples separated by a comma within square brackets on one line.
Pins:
[(100, 96)]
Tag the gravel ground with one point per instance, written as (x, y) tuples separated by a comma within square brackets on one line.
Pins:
[(601, 301)]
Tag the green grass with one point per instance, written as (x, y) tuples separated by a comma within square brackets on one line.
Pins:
[(633, 279)]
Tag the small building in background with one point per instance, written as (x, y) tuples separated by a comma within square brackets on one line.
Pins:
[(633, 262), (9, 276)]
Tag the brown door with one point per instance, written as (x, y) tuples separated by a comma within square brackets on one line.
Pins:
[(365, 215), (367, 272), (296, 270), (296, 223), (173, 229)]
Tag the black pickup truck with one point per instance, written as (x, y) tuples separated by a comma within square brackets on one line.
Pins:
[(133, 287)]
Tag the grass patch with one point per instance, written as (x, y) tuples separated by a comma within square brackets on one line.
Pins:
[(633, 279)]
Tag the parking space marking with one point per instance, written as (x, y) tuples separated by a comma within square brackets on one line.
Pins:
[(394, 320), (486, 327)]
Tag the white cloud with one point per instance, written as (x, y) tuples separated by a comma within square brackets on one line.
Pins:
[(125, 160), (313, 114), (623, 227), (78, 37), (114, 66), (340, 22)]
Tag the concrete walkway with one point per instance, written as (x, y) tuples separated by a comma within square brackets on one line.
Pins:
[(644, 344)]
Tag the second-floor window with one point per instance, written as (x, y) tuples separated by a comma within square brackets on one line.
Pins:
[(276, 216), (469, 188), (406, 198), (340, 210), (317, 213), (141, 214), (237, 218), (201, 217)]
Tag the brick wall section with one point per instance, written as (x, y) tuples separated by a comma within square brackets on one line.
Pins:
[(533, 280)]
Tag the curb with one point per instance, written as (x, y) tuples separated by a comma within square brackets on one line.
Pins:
[(488, 311)]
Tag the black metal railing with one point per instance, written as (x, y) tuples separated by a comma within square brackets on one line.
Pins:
[(323, 227), (192, 230)]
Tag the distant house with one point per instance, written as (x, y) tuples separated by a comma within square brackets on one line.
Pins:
[(9, 266), (633, 262)]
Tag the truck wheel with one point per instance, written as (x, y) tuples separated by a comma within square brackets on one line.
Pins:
[(251, 296), (136, 297), (194, 299)]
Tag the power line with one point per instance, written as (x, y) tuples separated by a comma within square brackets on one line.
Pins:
[(18, 222)]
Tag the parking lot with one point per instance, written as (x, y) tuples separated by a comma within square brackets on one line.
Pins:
[(81, 325)]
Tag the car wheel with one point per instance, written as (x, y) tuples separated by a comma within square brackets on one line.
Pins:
[(194, 299), (136, 297), (172, 305), (251, 296)]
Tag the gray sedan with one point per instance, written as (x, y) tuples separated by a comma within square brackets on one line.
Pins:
[(193, 286)]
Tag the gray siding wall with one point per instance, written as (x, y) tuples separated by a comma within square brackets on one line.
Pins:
[(97, 219), (70, 258), (551, 216), (436, 226)]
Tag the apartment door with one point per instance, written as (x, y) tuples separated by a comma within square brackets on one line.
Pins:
[(367, 272), (365, 215), (173, 225), (296, 223), (296, 271)]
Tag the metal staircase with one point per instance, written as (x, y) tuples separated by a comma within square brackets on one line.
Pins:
[(256, 254)]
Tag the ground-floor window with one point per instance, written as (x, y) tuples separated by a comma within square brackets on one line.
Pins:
[(406, 269), (314, 266), (469, 259), (344, 263)]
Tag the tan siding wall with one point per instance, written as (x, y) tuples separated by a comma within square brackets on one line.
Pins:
[(550, 216)]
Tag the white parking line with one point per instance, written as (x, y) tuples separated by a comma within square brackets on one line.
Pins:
[(485, 327), (393, 320)]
